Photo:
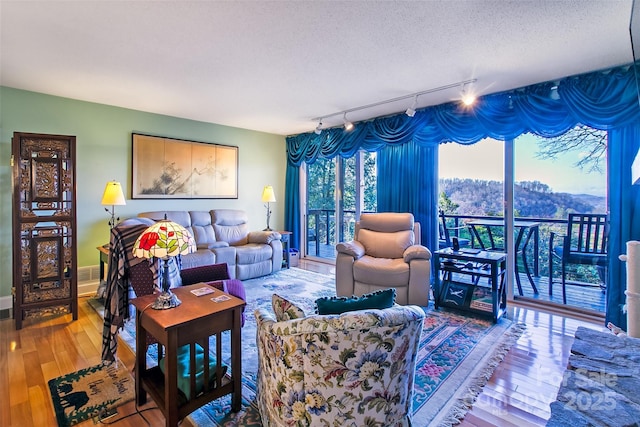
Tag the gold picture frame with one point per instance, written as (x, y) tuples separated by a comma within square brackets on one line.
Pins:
[(169, 168)]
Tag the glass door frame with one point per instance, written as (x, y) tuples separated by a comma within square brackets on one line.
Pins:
[(339, 201)]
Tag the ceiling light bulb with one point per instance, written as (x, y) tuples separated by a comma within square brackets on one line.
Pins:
[(318, 130), (468, 98), (411, 111), (348, 126)]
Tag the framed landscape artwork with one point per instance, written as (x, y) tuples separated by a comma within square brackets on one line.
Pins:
[(167, 168)]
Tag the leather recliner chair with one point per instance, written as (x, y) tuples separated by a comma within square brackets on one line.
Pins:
[(385, 252)]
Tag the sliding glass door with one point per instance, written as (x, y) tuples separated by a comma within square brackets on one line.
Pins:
[(337, 191), (539, 182)]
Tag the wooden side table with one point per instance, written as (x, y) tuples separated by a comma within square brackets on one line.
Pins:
[(473, 282), (194, 321), (286, 245), (104, 259)]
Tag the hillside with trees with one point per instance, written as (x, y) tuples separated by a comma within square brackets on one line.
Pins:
[(531, 199)]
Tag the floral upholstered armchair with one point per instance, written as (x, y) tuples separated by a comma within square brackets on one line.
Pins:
[(350, 369)]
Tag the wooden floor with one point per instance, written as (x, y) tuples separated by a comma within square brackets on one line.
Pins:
[(518, 393)]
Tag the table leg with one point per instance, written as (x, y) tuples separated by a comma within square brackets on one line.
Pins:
[(494, 290), (171, 379), (236, 361), (141, 360), (475, 232), (285, 247)]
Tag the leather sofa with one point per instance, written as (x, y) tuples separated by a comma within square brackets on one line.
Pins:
[(385, 252), (223, 236)]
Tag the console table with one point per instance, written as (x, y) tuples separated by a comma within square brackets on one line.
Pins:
[(194, 321), (471, 280)]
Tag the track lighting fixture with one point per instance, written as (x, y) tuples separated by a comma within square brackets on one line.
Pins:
[(348, 126), (468, 98), (411, 111)]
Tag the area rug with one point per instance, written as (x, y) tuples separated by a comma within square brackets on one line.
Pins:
[(90, 392), (457, 355)]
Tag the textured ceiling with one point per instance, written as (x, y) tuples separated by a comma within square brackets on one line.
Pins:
[(274, 65)]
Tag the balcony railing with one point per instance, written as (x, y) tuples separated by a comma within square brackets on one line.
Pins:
[(322, 238)]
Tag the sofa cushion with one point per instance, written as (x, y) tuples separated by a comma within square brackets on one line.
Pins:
[(252, 253), (387, 222), (230, 225), (375, 300), (385, 245), (284, 309), (181, 217), (248, 271), (197, 258), (202, 228), (381, 271)]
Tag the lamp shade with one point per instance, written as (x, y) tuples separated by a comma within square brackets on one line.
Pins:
[(267, 194), (113, 194), (164, 239)]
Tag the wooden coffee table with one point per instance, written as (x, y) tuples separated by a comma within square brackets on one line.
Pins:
[(194, 321)]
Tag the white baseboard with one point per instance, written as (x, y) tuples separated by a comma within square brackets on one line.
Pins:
[(87, 288)]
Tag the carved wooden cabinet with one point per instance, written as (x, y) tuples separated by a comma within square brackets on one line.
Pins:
[(44, 226)]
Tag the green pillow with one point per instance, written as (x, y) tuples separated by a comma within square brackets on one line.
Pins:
[(337, 305), (184, 380)]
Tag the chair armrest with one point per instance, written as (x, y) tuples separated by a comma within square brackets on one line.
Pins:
[(353, 248), (416, 252), (553, 235), (263, 317), (265, 237)]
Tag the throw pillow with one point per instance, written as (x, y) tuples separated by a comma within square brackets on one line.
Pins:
[(338, 305), (184, 379), (285, 309)]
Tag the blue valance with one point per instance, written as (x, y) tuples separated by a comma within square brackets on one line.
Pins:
[(606, 100), (602, 100)]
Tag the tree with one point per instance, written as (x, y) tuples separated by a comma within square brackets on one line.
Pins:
[(446, 205), (590, 142)]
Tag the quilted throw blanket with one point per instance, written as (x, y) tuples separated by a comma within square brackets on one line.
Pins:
[(117, 292)]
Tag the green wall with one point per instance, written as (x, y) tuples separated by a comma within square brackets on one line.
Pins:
[(103, 150)]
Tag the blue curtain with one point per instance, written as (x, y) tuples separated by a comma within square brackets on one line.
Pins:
[(624, 203), (292, 204), (410, 185), (606, 100)]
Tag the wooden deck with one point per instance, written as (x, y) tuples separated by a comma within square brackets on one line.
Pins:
[(581, 297), (578, 297)]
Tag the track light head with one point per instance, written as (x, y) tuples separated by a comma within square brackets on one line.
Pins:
[(468, 98), (348, 126), (411, 111)]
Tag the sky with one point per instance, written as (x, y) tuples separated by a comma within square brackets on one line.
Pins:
[(485, 160)]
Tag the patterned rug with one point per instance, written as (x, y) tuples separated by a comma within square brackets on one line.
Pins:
[(90, 392), (457, 354)]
